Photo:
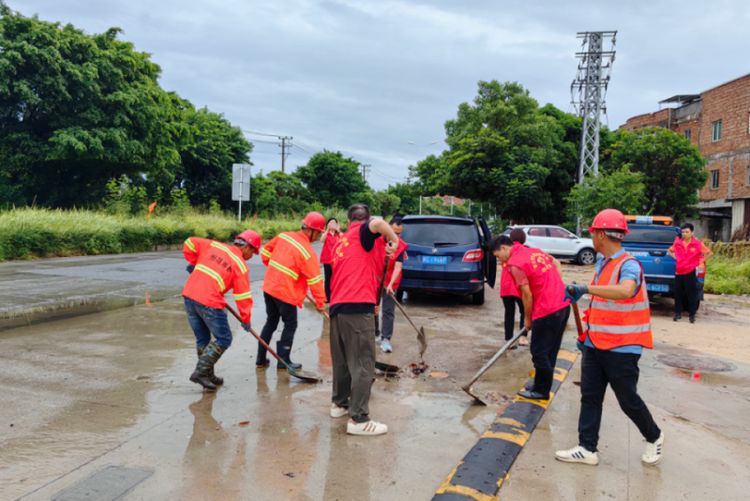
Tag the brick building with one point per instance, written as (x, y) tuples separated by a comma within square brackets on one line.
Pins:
[(717, 121)]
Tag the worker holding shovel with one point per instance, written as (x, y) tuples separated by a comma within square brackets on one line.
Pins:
[(618, 328), (392, 281), (537, 275), (214, 269), (292, 268), (357, 263)]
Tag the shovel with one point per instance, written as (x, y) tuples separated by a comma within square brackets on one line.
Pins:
[(467, 386), (381, 366), (294, 372), (420, 332)]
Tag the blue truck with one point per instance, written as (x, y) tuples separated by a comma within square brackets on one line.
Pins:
[(648, 242)]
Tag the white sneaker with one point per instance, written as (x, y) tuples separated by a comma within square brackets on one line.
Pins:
[(367, 428), (652, 454), (337, 412), (378, 339), (578, 454), (385, 345)]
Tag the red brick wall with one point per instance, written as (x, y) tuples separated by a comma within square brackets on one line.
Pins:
[(693, 126), (740, 189), (723, 192), (729, 103), (658, 119)]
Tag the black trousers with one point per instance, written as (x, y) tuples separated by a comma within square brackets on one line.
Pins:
[(276, 310), (509, 303), (687, 285), (620, 370), (545, 344), (328, 271)]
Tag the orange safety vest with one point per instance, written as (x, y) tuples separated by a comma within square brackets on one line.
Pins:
[(292, 267), (218, 268), (623, 322)]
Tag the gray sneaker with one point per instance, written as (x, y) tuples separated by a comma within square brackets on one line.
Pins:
[(385, 345)]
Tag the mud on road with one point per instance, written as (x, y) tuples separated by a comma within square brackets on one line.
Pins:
[(94, 378)]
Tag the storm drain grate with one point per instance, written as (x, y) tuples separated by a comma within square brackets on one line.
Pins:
[(109, 484), (696, 363)]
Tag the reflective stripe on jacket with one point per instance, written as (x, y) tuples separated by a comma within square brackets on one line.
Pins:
[(622, 322), (218, 268), (292, 267)]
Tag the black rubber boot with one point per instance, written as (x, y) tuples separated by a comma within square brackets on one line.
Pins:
[(283, 352), (206, 362), (216, 380)]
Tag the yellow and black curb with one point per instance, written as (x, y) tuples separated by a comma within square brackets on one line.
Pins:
[(484, 469)]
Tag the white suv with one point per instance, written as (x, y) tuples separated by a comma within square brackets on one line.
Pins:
[(558, 242)]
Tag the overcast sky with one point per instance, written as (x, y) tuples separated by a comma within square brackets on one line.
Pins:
[(366, 77)]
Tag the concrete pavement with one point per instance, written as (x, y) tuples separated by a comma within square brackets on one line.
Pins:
[(93, 374)]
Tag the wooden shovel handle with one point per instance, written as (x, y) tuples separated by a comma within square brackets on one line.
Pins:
[(316, 307)]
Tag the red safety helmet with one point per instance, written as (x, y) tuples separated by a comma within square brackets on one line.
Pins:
[(249, 237), (315, 221), (610, 219)]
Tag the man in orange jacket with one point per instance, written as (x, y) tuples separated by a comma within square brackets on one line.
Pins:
[(292, 268), (214, 269), (618, 328)]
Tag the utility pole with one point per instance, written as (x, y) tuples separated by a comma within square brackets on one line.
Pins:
[(588, 93), (284, 147), (364, 171), (451, 206)]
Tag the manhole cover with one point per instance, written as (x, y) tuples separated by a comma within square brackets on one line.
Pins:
[(696, 363)]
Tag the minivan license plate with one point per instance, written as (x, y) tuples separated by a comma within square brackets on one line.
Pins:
[(435, 259), (658, 287)]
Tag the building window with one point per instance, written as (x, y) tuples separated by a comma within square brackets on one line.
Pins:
[(747, 176), (688, 134), (716, 129), (715, 179)]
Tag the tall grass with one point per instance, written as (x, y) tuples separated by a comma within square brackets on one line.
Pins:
[(33, 233), (726, 275)]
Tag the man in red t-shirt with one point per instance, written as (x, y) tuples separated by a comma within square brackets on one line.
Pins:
[(537, 275), (689, 254), (392, 281)]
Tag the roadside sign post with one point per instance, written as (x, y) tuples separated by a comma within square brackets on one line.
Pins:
[(240, 185)]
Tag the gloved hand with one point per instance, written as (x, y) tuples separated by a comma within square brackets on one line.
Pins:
[(580, 345), (190, 268), (246, 326), (574, 292)]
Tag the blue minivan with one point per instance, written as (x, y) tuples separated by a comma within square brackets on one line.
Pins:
[(447, 254)]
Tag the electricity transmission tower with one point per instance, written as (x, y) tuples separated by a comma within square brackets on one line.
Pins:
[(587, 93)]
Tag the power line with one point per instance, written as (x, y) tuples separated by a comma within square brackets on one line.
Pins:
[(260, 133)]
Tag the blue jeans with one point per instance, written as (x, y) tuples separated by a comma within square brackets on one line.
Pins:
[(206, 321)]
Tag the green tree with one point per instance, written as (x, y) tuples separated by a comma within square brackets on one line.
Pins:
[(432, 175), (502, 150), (673, 170), (205, 170), (408, 194), (621, 189), (334, 180), (388, 202), (77, 110)]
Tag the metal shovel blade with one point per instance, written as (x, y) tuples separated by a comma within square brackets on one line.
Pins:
[(382, 366), (467, 386), (422, 342)]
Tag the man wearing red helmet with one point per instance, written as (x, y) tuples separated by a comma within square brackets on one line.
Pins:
[(292, 268), (618, 327), (214, 269)]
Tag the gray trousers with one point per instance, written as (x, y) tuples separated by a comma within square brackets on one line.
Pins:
[(353, 360), (389, 312)]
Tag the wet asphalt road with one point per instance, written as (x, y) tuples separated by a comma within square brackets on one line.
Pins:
[(94, 373)]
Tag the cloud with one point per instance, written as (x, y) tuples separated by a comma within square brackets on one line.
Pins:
[(364, 77)]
